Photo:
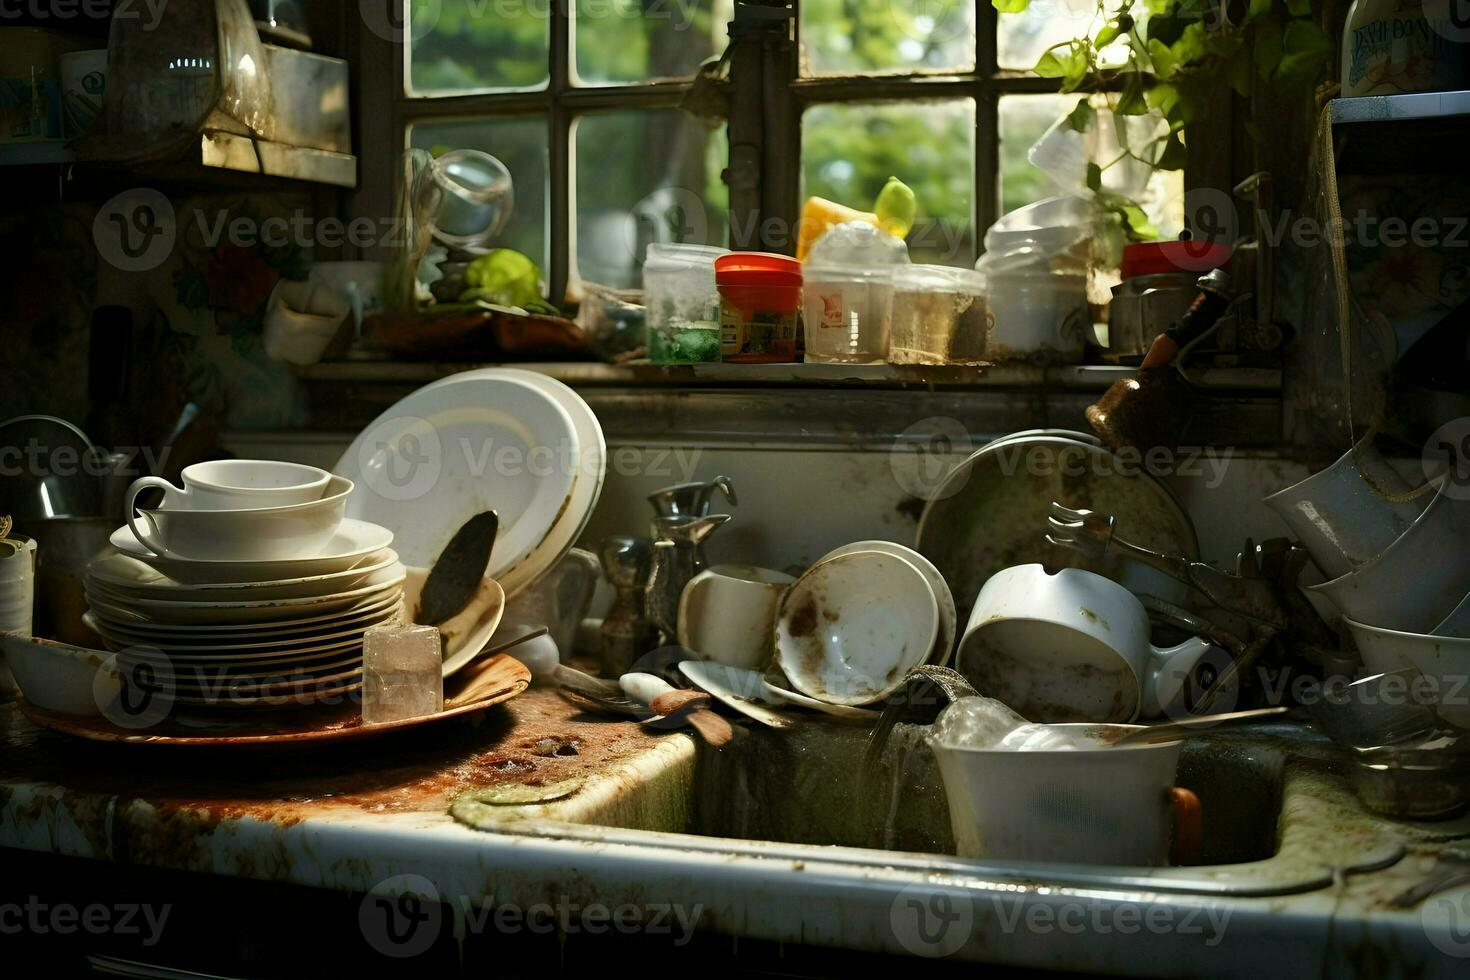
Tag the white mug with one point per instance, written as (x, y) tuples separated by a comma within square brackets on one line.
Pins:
[(1079, 806), (728, 614), (1070, 647)]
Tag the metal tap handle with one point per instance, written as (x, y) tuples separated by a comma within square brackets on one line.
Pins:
[(690, 499)]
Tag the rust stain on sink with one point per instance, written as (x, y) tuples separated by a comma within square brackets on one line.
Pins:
[(138, 804)]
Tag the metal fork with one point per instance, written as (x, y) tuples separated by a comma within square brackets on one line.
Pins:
[(1091, 535)]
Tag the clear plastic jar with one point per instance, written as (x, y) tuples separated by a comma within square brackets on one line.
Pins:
[(846, 311), (683, 303)]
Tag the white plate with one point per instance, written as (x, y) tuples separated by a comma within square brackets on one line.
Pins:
[(948, 618), (353, 542), (237, 616), (591, 473), (851, 628), (120, 618), (738, 688), (129, 576), (192, 675), (458, 447), (182, 649), (164, 608)]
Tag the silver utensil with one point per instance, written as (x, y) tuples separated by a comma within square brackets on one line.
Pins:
[(1168, 731)]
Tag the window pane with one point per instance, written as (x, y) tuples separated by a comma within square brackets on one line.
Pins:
[(1023, 120), (621, 41), (1021, 38), (848, 151), (847, 36), (464, 45), (520, 142), (643, 177)]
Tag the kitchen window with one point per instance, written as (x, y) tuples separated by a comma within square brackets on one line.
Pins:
[(581, 100)]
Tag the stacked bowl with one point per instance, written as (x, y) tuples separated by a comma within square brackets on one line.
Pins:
[(1398, 566), (245, 588)]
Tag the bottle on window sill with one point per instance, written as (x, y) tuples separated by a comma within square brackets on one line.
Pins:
[(1390, 47)]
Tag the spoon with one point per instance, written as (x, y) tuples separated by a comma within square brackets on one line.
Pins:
[(1167, 731)]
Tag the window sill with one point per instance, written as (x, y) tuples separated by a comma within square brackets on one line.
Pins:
[(1082, 377)]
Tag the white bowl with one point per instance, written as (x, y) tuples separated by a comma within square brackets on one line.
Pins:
[(62, 678), (1443, 660), (1339, 518), (253, 534), (948, 618), (851, 628), (1419, 579)]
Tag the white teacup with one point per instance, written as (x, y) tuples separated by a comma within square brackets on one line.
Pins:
[(263, 533), (1070, 647), (728, 614), (236, 484)]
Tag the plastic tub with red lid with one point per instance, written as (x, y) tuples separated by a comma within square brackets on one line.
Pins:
[(760, 295)]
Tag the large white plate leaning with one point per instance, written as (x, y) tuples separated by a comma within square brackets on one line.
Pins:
[(591, 472), (457, 447)]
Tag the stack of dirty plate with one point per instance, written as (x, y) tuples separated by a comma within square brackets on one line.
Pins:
[(229, 633)]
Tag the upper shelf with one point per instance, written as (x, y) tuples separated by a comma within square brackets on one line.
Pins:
[(1428, 133), (1410, 106), (1085, 377), (212, 154)]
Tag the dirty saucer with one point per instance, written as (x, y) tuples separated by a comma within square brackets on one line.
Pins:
[(353, 541), (743, 690), (843, 711), (852, 627), (948, 617)]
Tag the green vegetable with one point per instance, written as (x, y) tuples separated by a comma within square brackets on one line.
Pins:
[(503, 277)]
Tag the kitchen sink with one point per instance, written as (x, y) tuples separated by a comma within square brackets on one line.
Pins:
[(809, 786)]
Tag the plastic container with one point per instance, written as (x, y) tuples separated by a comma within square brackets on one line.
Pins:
[(760, 294), (939, 315), (683, 303), (1159, 258), (848, 293), (845, 313), (1037, 316)]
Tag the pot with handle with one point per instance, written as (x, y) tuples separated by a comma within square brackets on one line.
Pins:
[(1071, 647)]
